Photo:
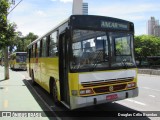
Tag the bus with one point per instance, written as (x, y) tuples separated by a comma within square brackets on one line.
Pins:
[(86, 60), (18, 60)]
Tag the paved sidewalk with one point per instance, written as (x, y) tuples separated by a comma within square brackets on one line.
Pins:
[(15, 96), (149, 71)]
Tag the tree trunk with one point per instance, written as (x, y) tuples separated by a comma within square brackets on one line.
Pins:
[(6, 64)]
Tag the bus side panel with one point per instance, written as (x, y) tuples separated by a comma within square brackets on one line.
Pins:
[(48, 67)]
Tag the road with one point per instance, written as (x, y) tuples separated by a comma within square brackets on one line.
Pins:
[(148, 100)]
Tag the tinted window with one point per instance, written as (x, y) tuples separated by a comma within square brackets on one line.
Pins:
[(44, 47), (53, 45)]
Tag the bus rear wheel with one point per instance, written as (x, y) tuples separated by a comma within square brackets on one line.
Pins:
[(54, 92)]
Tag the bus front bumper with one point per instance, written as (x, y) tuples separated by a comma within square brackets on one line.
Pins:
[(20, 66), (78, 102)]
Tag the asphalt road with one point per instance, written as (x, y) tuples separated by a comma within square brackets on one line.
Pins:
[(148, 100)]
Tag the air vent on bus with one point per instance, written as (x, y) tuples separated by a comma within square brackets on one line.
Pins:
[(109, 89), (106, 82)]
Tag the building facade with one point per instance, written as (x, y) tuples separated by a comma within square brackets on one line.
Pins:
[(85, 9), (153, 27), (79, 8)]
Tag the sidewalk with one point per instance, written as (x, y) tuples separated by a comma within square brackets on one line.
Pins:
[(15, 96), (148, 71)]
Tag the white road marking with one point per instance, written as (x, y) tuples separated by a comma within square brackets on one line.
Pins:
[(150, 89), (140, 103), (152, 96)]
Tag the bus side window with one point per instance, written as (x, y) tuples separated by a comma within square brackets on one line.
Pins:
[(48, 41), (44, 47), (33, 51), (53, 50), (38, 49)]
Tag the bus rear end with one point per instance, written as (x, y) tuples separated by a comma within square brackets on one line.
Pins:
[(19, 61)]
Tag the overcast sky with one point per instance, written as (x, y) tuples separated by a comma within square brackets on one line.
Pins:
[(39, 16)]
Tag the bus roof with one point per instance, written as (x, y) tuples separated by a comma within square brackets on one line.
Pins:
[(82, 18), (53, 29)]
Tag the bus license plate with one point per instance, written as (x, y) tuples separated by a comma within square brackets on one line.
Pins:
[(112, 97)]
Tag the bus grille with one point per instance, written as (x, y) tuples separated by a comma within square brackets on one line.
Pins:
[(108, 89), (106, 82)]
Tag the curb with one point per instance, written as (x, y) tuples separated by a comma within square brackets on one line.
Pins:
[(149, 71)]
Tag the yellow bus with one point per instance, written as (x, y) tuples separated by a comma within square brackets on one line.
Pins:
[(86, 60), (18, 60)]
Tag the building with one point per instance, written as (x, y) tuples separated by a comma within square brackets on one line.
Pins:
[(85, 9), (153, 27), (157, 30), (79, 7)]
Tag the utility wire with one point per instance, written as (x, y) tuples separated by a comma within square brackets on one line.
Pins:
[(14, 7)]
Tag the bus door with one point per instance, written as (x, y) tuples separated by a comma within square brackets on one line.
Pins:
[(63, 69)]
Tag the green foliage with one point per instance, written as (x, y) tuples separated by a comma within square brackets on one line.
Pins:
[(21, 42), (122, 46), (146, 45), (7, 30)]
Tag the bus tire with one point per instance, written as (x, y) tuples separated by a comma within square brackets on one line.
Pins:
[(33, 80), (53, 91)]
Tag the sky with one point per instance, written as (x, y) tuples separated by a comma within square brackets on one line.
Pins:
[(39, 16)]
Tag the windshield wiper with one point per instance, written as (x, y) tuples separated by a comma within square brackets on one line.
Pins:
[(124, 61), (96, 61)]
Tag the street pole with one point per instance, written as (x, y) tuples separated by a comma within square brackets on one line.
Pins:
[(6, 64)]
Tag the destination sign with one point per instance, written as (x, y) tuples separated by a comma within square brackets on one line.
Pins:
[(114, 25)]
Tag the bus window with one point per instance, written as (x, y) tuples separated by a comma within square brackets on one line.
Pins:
[(32, 52), (21, 57), (53, 45), (40, 54), (90, 49), (38, 49), (35, 53), (44, 47), (121, 50)]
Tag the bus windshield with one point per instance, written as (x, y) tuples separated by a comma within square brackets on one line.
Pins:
[(93, 50), (21, 57)]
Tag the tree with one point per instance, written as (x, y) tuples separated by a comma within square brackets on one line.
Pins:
[(146, 45), (31, 37), (21, 42), (7, 33)]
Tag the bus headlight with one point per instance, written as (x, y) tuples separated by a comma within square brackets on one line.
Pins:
[(86, 91), (130, 85), (74, 92)]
